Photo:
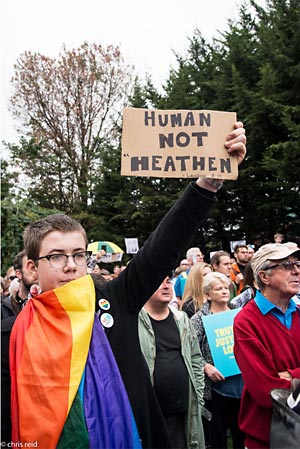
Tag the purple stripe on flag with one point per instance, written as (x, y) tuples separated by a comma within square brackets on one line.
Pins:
[(107, 409)]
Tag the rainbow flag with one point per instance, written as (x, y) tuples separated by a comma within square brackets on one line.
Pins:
[(67, 391)]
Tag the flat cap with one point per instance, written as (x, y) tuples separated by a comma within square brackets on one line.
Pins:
[(272, 251)]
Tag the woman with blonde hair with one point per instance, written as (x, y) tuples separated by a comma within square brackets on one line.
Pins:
[(222, 396), (193, 297)]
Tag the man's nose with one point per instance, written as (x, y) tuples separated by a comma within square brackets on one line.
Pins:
[(71, 262)]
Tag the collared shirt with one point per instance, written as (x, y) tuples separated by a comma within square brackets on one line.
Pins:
[(266, 306)]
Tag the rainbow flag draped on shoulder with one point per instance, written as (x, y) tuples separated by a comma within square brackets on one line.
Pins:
[(66, 389)]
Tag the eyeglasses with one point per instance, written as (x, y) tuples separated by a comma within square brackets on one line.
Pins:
[(61, 260), (288, 265)]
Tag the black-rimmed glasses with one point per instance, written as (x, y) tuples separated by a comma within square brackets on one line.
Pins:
[(61, 260), (288, 265)]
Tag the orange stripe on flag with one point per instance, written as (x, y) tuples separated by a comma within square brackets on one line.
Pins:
[(53, 332)]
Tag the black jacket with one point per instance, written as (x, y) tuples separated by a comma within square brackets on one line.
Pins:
[(132, 288), (127, 294)]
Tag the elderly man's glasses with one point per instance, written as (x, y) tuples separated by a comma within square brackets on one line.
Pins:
[(288, 265), (61, 260)]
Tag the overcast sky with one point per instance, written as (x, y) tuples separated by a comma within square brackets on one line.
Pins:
[(146, 31)]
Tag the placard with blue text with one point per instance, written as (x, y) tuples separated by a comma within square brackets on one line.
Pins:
[(219, 331)]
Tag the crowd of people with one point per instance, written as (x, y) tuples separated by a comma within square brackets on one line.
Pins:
[(100, 359)]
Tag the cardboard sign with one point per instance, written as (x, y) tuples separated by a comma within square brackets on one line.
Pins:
[(177, 144), (219, 331)]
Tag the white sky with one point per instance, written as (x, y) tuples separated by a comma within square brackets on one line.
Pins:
[(147, 32)]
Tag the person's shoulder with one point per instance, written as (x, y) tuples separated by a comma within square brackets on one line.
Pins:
[(7, 324), (6, 308), (178, 314), (246, 312), (197, 317)]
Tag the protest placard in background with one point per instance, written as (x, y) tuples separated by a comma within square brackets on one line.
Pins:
[(132, 245), (219, 331), (177, 144), (235, 243)]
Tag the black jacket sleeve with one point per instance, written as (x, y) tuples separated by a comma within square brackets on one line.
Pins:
[(161, 252)]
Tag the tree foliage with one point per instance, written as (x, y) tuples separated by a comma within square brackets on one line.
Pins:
[(70, 107), (253, 69), (15, 216)]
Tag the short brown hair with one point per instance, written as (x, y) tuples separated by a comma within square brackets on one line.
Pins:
[(36, 232), (216, 258), (239, 246), (18, 260)]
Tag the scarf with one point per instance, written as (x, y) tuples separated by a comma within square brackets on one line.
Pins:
[(66, 389)]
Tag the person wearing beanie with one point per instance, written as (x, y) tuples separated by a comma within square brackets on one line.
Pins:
[(267, 338)]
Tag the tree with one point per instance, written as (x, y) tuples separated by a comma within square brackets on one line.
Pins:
[(70, 107), (253, 69)]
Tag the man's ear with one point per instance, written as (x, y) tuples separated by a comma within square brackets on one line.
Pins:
[(31, 267), (18, 274), (265, 278)]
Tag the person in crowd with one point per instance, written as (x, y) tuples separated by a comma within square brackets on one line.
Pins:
[(238, 268), (249, 290), (106, 274), (12, 305), (193, 255), (173, 357), (4, 287), (14, 287), (95, 260), (220, 261), (178, 270), (10, 275), (222, 395), (249, 280), (10, 308), (116, 271), (267, 338), (278, 238), (193, 297), (96, 268), (184, 265), (251, 252), (56, 249)]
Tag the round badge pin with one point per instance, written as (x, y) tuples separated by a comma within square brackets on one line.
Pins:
[(104, 304), (106, 320)]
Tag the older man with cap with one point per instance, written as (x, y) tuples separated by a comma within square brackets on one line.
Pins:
[(267, 338)]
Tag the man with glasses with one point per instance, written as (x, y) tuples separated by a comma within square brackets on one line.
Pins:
[(68, 375), (267, 338), (184, 265), (13, 305), (10, 308), (238, 268), (193, 255)]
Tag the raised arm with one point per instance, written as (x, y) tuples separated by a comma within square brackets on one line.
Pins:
[(161, 251)]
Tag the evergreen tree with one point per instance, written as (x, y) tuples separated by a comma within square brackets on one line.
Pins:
[(253, 69)]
